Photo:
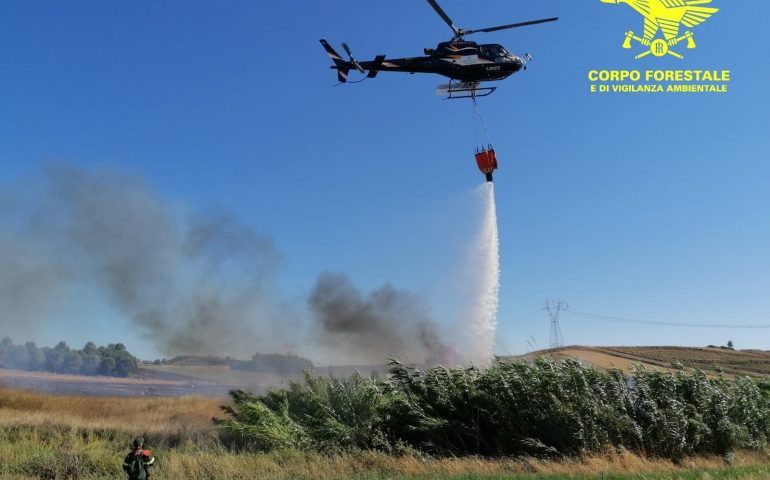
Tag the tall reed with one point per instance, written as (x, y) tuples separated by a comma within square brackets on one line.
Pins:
[(545, 408)]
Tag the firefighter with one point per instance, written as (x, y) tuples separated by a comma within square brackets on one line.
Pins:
[(138, 461)]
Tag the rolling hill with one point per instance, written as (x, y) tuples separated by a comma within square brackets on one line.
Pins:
[(712, 360)]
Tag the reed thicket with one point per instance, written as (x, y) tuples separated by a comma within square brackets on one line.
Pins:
[(545, 408)]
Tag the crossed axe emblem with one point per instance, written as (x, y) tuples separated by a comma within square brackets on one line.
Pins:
[(659, 47)]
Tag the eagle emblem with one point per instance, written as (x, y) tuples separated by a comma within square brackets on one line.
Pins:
[(666, 16)]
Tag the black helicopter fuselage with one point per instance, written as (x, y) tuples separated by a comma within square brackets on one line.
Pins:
[(464, 61), (459, 60)]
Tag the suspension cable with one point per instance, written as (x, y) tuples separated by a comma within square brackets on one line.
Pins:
[(477, 116)]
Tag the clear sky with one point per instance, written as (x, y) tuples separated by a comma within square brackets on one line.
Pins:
[(652, 207)]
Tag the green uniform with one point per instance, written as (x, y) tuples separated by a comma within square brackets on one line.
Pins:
[(137, 464)]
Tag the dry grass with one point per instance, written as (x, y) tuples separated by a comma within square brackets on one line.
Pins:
[(292, 464), (165, 419)]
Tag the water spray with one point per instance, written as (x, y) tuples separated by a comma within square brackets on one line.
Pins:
[(487, 297)]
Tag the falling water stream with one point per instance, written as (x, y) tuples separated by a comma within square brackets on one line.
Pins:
[(487, 297)]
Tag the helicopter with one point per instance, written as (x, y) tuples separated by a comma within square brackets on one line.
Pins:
[(467, 64)]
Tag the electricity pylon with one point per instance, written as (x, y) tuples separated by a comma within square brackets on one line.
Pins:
[(553, 307)]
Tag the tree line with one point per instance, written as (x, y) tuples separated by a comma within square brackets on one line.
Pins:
[(545, 408), (113, 360), (260, 362)]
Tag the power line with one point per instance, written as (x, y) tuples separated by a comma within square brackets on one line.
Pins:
[(528, 319), (664, 323), (525, 316)]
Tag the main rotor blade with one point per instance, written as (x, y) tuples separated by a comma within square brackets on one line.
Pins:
[(512, 25), (443, 15)]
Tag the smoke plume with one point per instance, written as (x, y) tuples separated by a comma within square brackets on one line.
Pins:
[(385, 323), (191, 283)]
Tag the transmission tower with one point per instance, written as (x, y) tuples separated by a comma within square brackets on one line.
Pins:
[(554, 307)]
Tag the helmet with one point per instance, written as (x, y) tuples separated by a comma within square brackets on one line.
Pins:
[(138, 442)]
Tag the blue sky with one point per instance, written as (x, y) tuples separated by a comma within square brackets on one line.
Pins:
[(639, 206)]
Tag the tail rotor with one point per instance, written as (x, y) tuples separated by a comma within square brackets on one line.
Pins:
[(352, 59)]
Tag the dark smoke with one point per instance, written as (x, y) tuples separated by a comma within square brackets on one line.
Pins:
[(385, 323)]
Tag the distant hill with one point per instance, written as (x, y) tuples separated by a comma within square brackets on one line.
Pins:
[(275, 363), (710, 359)]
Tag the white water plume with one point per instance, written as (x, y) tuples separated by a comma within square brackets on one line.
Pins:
[(486, 298)]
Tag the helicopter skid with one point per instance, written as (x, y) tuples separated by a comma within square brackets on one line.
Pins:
[(454, 91)]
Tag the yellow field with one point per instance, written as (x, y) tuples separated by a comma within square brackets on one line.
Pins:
[(710, 360)]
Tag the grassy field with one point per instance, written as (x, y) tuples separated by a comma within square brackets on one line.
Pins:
[(56, 437)]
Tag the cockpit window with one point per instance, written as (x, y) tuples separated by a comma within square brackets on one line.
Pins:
[(496, 51), (493, 51)]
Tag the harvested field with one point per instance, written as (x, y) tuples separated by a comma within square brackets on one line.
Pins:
[(710, 359), (736, 362)]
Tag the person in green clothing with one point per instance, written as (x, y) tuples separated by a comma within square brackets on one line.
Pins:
[(138, 461)]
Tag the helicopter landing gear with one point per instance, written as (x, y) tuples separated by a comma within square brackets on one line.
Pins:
[(456, 89)]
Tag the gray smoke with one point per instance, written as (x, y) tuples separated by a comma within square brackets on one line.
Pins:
[(192, 284), (385, 323)]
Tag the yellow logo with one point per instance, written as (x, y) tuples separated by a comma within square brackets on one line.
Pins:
[(667, 16)]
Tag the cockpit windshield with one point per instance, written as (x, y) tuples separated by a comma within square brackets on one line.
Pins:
[(494, 51)]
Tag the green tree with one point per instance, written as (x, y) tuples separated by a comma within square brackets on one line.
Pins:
[(18, 358), (73, 361), (6, 344), (54, 360), (35, 357)]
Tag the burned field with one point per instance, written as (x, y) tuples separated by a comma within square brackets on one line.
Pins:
[(152, 384), (166, 381)]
